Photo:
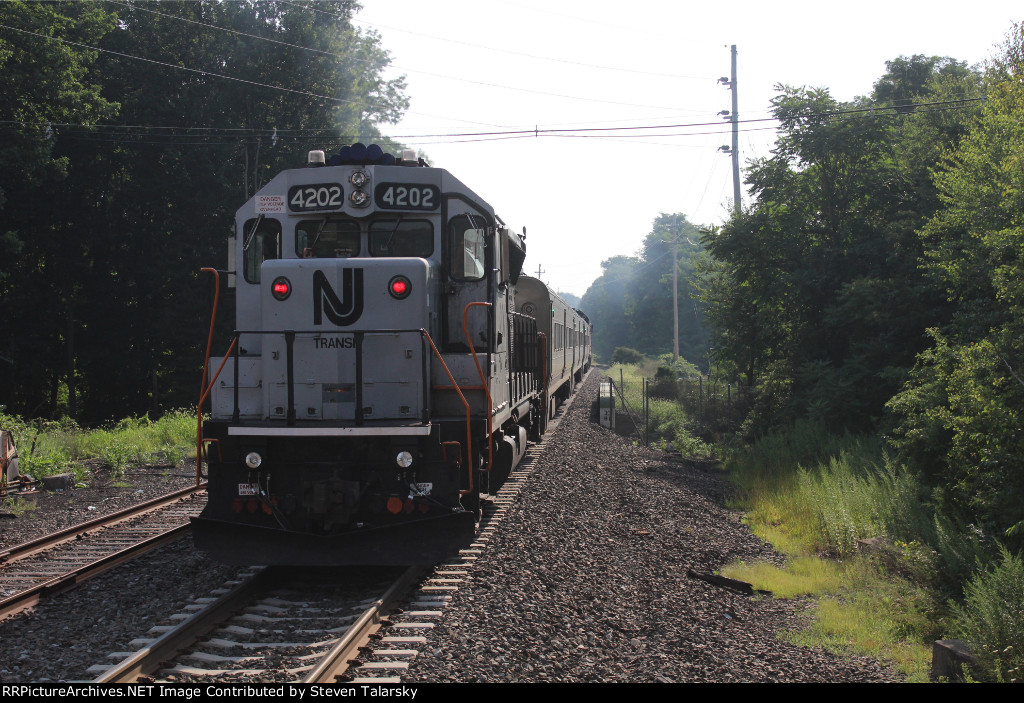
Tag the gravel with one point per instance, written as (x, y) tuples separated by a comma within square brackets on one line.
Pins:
[(58, 510), (59, 639), (587, 580)]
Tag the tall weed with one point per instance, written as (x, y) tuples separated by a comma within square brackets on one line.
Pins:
[(991, 618), (853, 499), (669, 422), (48, 447)]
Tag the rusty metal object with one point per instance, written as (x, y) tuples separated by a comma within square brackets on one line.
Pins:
[(12, 482)]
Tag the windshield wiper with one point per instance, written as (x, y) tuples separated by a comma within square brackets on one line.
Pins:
[(391, 237), (319, 231), (252, 232)]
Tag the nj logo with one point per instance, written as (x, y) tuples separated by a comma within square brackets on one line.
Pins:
[(341, 312)]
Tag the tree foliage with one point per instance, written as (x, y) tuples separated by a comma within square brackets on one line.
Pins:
[(815, 292), (139, 164), (631, 303), (960, 414)]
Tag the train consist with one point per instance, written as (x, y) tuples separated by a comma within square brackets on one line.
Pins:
[(389, 364)]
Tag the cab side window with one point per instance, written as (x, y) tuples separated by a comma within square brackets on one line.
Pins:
[(466, 252), (261, 238)]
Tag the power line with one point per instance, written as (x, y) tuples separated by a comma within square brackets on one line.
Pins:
[(627, 132), (401, 68), (201, 72), (505, 51)]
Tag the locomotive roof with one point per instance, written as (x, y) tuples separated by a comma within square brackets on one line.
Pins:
[(271, 197)]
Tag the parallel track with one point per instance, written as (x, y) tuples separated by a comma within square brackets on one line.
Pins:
[(57, 562)]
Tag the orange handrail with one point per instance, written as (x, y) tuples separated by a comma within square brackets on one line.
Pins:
[(469, 438), (209, 387), (483, 380), (203, 388)]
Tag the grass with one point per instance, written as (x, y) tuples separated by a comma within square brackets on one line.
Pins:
[(856, 609), (813, 495), (803, 576), (48, 447), (668, 421), (19, 506)]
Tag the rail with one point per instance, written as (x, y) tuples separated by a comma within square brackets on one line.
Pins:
[(524, 356), (44, 572)]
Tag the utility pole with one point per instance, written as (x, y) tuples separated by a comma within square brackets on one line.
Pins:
[(540, 272), (737, 203), (675, 292), (734, 118)]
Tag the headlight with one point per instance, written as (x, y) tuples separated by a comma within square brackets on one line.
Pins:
[(358, 179), (253, 460), (404, 459), (359, 198)]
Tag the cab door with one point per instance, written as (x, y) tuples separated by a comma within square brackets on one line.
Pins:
[(468, 260)]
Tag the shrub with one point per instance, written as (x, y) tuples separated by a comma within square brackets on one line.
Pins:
[(992, 618), (854, 499), (625, 355)]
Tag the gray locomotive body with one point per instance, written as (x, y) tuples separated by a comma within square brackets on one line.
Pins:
[(388, 365)]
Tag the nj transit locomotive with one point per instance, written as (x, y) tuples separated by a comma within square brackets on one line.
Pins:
[(389, 363)]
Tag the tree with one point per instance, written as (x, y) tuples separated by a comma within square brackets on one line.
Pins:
[(815, 291), (106, 292), (959, 416), (631, 303), (49, 81)]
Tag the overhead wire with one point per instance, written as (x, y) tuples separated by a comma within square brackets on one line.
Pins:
[(202, 72), (632, 132), (400, 68), (207, 73), (501, 50)]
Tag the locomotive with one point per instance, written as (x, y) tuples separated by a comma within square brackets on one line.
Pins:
[(389, 364)]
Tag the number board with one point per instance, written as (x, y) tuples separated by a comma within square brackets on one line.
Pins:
[(315, 196), (407, 196)]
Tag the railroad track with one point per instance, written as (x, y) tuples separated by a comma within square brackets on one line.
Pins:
[(427, 604), (312, 625), (273, 625), (57, 562)]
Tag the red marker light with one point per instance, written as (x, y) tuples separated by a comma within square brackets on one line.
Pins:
[(400, 287), (281, 288)]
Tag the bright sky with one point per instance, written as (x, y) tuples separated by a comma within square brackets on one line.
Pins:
[(496, 65)]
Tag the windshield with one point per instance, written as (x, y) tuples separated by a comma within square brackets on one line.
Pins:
[(400, 237), (327, 239)]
